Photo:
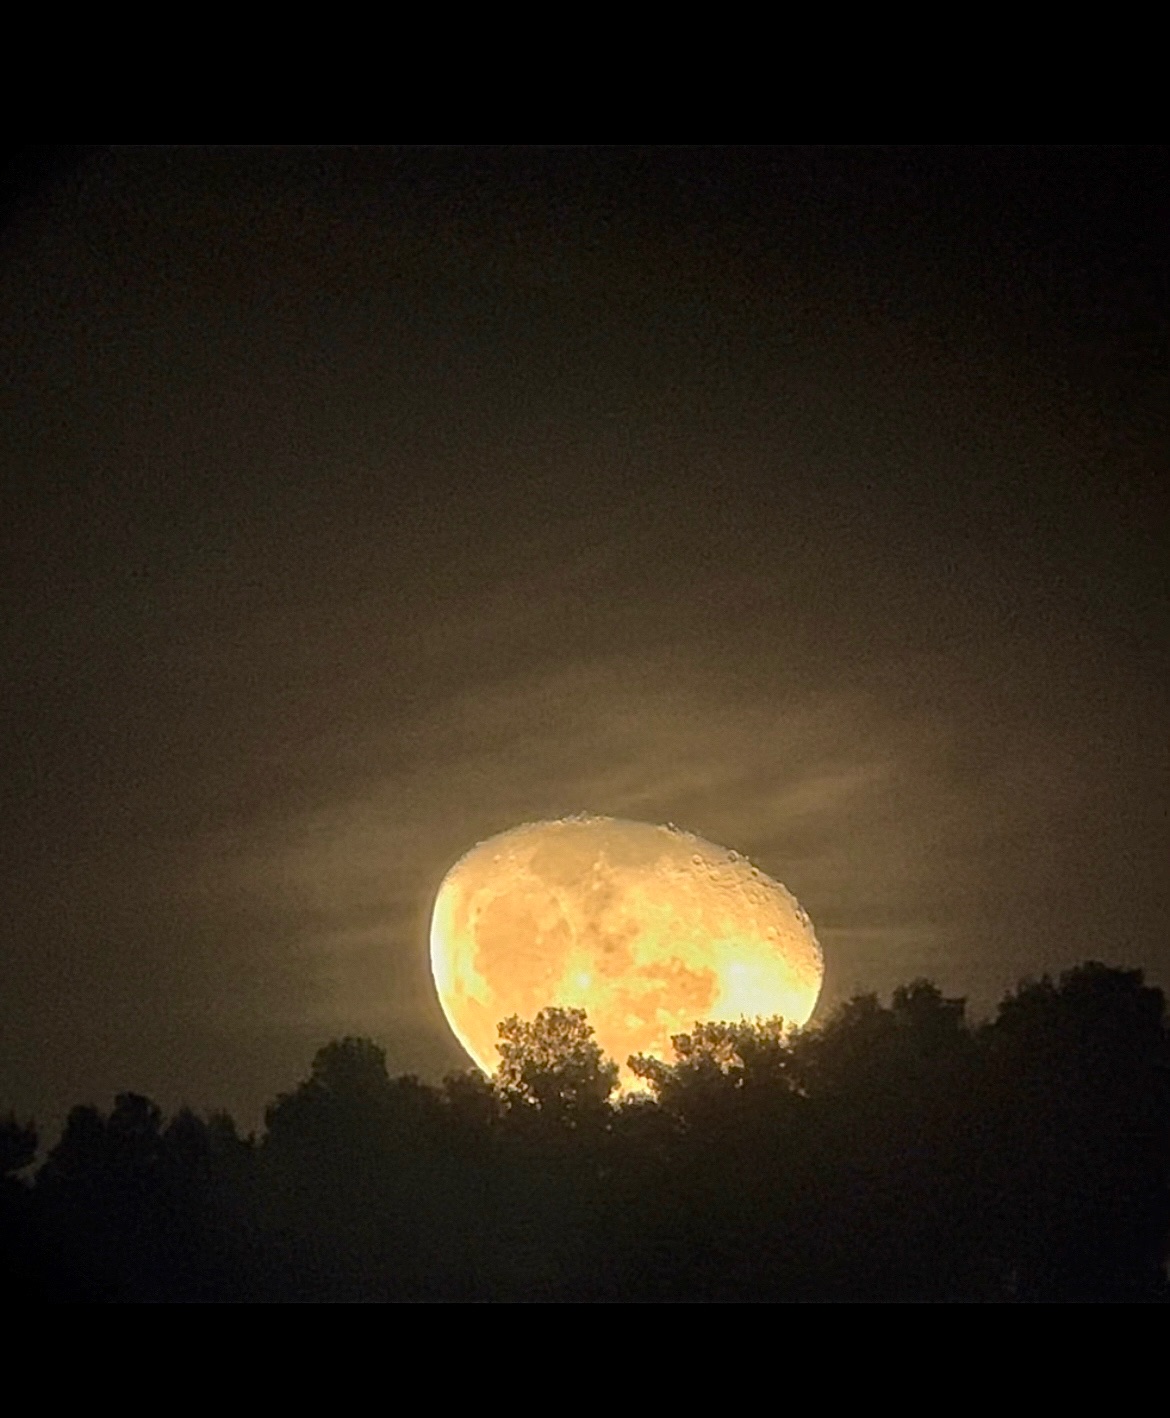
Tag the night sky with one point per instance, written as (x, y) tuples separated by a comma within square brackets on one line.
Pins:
[(359, 503)]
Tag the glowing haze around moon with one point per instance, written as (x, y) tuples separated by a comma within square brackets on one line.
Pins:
[(649, 929)]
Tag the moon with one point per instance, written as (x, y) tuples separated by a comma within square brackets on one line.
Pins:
[(648, 929)]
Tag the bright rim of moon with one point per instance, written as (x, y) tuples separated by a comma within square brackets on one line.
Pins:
[(648, 929)]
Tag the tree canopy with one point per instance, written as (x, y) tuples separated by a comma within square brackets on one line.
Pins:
[(899, 1151)]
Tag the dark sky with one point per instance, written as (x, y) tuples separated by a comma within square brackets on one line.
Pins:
[(360, 503)]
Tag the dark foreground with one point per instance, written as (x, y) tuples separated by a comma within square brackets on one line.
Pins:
[(895, 1154)]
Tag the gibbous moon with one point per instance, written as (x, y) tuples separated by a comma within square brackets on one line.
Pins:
[(648, 929)]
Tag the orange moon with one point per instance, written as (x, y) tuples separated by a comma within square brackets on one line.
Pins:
[(648, 929)]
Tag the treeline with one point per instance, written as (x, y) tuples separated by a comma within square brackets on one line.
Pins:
[(895, 1153)]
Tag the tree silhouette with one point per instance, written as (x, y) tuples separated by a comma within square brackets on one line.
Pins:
[(18, 1145), (19, 1263), (1079, 1103), (895, 1152), (720, 1067), (554, 1064)]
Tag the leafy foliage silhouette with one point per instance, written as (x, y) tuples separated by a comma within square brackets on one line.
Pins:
[(18, 1260), (555, 1065), (898, 1152), (18, 1145)]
